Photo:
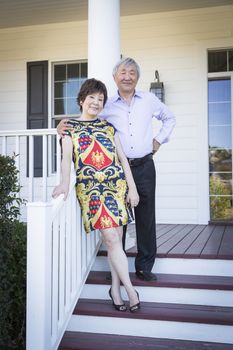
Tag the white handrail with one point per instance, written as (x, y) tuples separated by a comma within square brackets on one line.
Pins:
[(57, 267), (21, 143), (28, 132)]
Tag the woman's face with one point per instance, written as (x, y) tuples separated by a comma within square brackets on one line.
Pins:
[(93, 104)]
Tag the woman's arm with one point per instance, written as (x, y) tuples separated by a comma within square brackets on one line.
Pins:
[(132, 197), (67, 150)]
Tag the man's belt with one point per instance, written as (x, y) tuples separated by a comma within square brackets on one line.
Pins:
[(139, 161)]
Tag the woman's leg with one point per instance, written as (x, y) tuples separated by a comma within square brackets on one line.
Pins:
[(118, 264), (115, 289)]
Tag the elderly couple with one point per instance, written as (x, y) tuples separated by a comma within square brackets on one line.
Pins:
[(112, 146)]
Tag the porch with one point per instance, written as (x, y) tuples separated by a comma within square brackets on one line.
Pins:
[(192, 241), (189, 306), (194, 266)]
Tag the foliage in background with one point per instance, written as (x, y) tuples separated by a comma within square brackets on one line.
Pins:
[(12, 260), (9, 189), (218, 204)]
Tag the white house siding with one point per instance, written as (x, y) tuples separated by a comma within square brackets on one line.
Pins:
[(175, 43), (58, 42), (36, 43)]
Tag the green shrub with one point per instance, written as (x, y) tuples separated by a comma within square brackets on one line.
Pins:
[(12, 260), (9, 189), (218, 204)]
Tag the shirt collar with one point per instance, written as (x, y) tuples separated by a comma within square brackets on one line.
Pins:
[(118, 97)]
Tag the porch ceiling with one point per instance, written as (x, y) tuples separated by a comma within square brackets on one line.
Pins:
[(14, 13)]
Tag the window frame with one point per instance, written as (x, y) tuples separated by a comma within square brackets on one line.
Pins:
[(54, 117), (219, 50), (221, 75), (51, 117)]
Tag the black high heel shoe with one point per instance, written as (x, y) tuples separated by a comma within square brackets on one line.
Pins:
[(135, 307), (121, 307)]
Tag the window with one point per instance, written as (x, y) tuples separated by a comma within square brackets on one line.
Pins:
[(220, 134), (220, 61), (67, 80)]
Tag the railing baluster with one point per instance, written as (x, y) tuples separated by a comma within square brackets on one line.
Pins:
[(4, 150), (17, 158), (74, 234), (55, 286), (45, 162), (68, 251), (84, 250), (58, 158), (62, 269), (78, 245), (17, 152), (31, 168)]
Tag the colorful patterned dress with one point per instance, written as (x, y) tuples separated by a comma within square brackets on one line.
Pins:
[(100, 181)]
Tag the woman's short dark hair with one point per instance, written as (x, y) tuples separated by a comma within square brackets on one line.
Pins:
[(91, 86)]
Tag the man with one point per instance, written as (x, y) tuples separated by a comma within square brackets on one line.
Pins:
[(131, 113)]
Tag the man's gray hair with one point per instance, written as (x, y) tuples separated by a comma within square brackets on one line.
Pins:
[(128, 61)]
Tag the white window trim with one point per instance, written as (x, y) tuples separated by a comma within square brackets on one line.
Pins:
[(51, 88), (226, 75)]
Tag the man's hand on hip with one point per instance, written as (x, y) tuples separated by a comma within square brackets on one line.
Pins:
[(63, 126), (156, 146)]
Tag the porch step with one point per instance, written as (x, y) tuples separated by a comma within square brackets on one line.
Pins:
[(155, 320), (171, 280), (169, 288), (159, 311), (205, 267), (92, 341)]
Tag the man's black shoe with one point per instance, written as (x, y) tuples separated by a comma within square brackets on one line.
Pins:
[(146, 275)]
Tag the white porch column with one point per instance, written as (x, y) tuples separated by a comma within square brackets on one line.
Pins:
[(103, 40)]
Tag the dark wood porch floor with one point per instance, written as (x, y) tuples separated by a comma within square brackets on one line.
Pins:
[(192, 241)]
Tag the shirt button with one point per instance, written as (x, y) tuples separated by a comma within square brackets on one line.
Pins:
[(131, 147), (130, 123)]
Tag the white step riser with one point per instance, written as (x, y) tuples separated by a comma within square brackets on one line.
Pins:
[(178, 266), (166, 295), (153, 329)]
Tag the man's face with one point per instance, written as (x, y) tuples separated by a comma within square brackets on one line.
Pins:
[(126, 78)]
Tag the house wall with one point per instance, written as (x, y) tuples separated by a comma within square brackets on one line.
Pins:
[(174, 43)]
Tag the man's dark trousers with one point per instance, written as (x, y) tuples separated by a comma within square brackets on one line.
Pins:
[(144, 176)]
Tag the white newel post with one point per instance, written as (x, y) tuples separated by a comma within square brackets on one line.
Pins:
[(103, 40), (39, 242)]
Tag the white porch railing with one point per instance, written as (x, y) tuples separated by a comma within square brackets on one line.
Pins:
[(21, 143), (59, 258), (59, 253)]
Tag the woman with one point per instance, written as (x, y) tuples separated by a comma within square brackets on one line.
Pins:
[(104, 185)]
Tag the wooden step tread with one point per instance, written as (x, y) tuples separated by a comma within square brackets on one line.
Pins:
[(94, 341), (171, 281), (171, 253), (159, 311)]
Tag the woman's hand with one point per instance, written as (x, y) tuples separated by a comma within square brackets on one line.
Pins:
[(61, 189), (132, 198), (63, 126)]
